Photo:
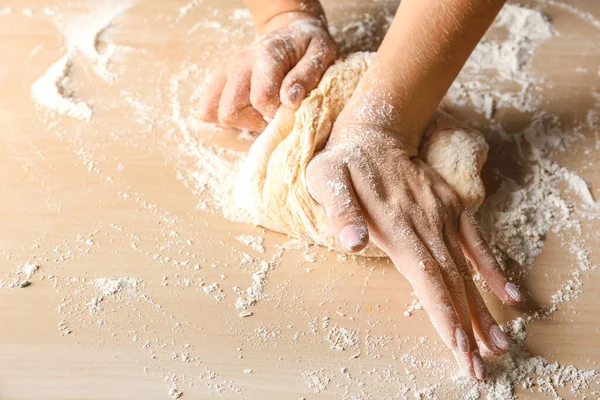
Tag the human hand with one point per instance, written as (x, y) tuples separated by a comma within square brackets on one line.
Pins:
[(373, 186), (281, 66)]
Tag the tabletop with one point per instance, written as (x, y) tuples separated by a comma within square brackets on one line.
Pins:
[(120, 274)]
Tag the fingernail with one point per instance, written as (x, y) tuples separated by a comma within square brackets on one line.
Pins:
[(295, 94), (353, 236), (462, 341), (499, 338), (513, 291), (478, 366)]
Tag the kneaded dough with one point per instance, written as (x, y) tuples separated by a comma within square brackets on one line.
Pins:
[(272, 188)]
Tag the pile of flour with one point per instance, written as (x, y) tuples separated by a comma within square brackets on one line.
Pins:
[(53, 90)]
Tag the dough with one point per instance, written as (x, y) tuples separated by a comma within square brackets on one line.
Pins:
[(271, 186)]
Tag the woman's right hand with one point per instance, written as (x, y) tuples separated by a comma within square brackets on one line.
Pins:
[(280, 67)]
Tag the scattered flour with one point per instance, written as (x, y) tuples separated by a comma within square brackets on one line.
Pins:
[(316, 380), (257, 287), (508, 59), (342, 338), (183, 11), (175, 393), (517, 367), (53, 89), (416, 305), (28, 269), (256, 242), (111, 286)]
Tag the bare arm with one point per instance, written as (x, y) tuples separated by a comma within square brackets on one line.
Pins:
[(263, 11), (424, 50)]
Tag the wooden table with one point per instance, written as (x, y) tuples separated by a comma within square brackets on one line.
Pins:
[(107, 198)]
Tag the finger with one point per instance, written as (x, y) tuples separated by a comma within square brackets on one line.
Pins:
[(452, 269), (208, 106), (480, 252), (267, 75), (415, 262), (235, 109), (483, 322), (305, 76), (332, 188)]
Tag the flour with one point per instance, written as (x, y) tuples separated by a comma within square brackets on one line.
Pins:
[(111, 286), (215, 169), (578, 185), (175, 393), (28, 269), (416, 305), (316, 380), (84, 33), (183, 11), (256, 289), (583, 15), (22, 277), (532, 372), (527, 29), (341, 338), (53, 90), (256, 242), (517, 218)]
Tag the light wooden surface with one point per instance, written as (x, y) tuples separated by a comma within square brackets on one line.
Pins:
[(114, 181)]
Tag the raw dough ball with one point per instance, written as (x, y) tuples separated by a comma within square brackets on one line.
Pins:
[(272, 183)]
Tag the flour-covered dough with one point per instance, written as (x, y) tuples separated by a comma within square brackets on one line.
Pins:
[(272, 184)]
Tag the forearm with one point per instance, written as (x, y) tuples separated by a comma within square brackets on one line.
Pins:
[(263, 11), (422, 53)]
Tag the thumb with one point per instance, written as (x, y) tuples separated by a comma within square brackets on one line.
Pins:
[(332, 188)]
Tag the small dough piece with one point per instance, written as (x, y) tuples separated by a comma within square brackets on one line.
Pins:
[(458, 155), (272, 188)]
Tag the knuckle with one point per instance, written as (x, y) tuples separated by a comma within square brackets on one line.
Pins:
[(264, 43), (327, 47), (228, 115), (427, 268), (206, 113), (269, 48), (263, 98), (456, 278), (440, 214), (451, 198), (313, 181), (437, 221), (322, 183)]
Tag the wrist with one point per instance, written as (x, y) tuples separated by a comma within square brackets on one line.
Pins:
[(275, 14), (368, 134), (379, 101), (374, 120), (286, 18)]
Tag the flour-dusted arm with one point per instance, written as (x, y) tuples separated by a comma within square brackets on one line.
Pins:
[(389, 196)]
